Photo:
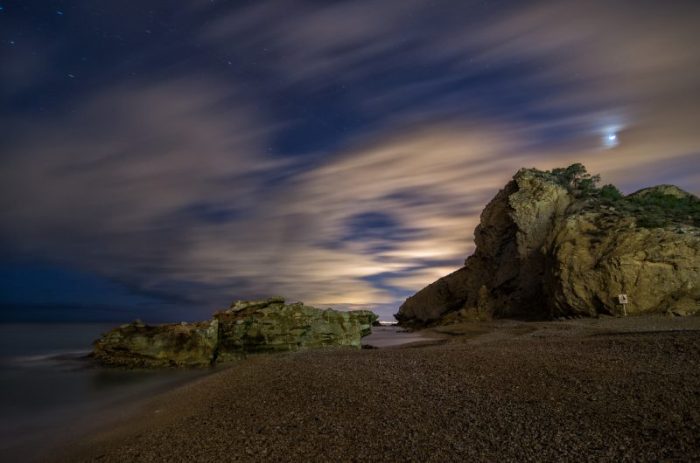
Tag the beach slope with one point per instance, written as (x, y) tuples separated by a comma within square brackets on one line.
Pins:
[(584, 390)]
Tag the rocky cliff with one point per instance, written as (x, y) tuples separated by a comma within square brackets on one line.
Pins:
[(552, 244), (247, 326)]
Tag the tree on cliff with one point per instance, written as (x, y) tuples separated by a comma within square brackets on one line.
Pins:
[(577, 180)]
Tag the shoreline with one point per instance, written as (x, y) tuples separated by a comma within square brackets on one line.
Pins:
[(34, 435), (518, 390), (38, 437)]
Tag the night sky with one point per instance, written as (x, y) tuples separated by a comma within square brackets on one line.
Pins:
[(160, 159)]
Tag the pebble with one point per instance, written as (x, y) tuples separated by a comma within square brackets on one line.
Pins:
[(543, 398)]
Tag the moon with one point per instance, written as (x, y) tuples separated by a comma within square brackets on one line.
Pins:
[(610, 139)]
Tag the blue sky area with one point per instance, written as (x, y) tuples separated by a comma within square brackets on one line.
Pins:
[(161, 160)]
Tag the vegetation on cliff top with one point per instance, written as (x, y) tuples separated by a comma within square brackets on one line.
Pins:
[(654, 209)]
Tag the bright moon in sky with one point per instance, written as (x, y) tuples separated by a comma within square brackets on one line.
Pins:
[(610, 139)]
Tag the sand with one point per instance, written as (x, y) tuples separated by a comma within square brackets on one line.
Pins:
[(588, 390)]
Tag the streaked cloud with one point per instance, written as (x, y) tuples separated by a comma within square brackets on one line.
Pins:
[(176, 182)]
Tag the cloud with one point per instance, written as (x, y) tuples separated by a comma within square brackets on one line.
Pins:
[(430, 187), (306, 41), (168, 184), (566, 70), (114, 185)]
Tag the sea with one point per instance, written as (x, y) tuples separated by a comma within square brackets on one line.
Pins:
[(51, 393)]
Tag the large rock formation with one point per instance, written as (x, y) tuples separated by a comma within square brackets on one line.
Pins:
[(138, 345), (273, 326), (549, 245), (247, 326), (593, 256)]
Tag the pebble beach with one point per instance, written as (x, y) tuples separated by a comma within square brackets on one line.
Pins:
[(579, 390)]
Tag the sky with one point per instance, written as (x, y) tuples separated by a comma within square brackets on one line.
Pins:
[(161, 159)]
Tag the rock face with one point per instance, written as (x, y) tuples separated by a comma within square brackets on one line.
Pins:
[(174, 345), (273, 326), (501, 277), (596, 256), (543, 250), (248, 326)]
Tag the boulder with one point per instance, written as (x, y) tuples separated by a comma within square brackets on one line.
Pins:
[(272, 326), (137, 345)]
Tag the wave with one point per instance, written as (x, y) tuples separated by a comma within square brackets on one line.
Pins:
[(55, 358)]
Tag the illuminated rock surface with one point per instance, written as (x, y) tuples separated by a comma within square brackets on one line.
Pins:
[(273, 326), (138, 345), (247, 327), (548, 250)]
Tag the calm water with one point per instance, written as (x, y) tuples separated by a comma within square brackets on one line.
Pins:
[(392, 336), (50, 393)]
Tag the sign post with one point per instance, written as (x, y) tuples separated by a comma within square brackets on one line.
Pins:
[(622, 299)]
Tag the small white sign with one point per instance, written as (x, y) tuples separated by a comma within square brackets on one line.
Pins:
[(622, 298)]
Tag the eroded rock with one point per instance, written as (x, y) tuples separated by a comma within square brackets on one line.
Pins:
[(543, 251), (273, 326), (137, 345), (267, 325), (503, 276), (593, 257)]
